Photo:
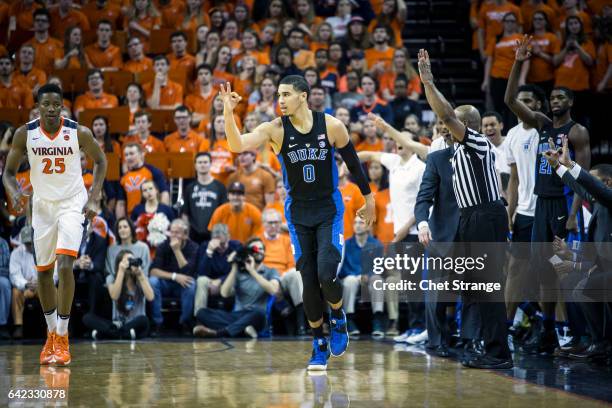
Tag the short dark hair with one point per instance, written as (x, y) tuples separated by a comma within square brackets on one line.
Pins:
[(401, 77), (298, 82), (318, 86), (143, 113), (204, 66), (178, 34), (296, 30), (182, 108), (604, 169), (497, 116), (49, 88), (94, 71), (537, 92), (104, 21), (568, 92), (200, 154), (6, 57), (161, 57), (252, 240), (42, 12)]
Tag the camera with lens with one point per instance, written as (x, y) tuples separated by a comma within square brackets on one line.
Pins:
[(135, 263), (242, 255)]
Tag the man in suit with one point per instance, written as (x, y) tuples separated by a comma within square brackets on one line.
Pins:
[(441, 226), (596, 188)]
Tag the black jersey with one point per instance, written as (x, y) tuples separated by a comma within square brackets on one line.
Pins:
[(547, 183), (307, 160)]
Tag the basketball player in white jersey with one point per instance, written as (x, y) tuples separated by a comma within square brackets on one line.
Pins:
[(60, 205)]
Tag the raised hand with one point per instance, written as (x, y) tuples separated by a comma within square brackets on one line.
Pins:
[(523, 48), (425, 67), (565, 159), (378, 121), (230, 99), (552, 154)]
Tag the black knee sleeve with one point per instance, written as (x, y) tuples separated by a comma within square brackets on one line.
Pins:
[(311, 296), (330, 284)]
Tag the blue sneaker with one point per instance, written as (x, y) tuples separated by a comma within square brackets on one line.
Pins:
[(338, 338), (320, 354)]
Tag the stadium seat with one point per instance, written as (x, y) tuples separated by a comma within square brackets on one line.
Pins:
[(160, 41), (162, 120), (15, 116), (118, 118), (73, 80), (116, 82)]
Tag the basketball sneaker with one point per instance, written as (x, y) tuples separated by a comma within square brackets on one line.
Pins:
[(320, 354), (47, 355), (62, 350), (338, 338)]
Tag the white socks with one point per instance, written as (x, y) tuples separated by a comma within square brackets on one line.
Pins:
[(51, 318), (62, 324)]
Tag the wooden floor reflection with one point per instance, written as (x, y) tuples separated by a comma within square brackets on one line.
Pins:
[(265, 374)]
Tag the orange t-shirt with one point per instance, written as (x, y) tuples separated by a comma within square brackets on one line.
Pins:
[(104, 58), (604, 58), (256, 185), (32, 78), (490, 19), (584, 17), (16, 95), (383, 228), (24, 14), (149, 23), (221, 157), (46, 53), (73, 18), (242, 225), (109, 12), (387, 81), (170, 94), (23, 186), (373, 56), (205, 125), (131, 182), (572, 73), (151, 145), (396, 26), (353, 200), (278, 253), (187, 63), (261, 57), (136, 67), (196, 102), (304, 59), (540, 69), (171, 13), (221, 77), (176, 144), (269, 157), (528, 10), (193, 23), (3, 51), (503, 55), (89, 101), (366, 146)]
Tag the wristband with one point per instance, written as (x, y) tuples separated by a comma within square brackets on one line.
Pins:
[(173, 276)]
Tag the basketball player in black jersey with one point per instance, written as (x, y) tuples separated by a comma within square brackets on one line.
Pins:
[(305, 142), (552, 217)]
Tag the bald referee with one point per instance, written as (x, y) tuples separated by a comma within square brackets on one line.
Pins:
[(483, 218)]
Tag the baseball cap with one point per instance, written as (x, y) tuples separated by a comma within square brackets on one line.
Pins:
[(356, 19), (25, 235), (236, 187)]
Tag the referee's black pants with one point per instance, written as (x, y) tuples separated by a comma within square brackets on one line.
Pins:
[(486, 222)]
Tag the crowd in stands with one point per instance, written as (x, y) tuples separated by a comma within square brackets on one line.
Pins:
[(222, 249)]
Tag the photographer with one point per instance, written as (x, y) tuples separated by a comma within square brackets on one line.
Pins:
[(252, 283), (128, 289)]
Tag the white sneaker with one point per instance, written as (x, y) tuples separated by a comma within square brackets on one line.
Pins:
[(401, 338), (133, 334), (94, 335), (418, 338), (251, 332)]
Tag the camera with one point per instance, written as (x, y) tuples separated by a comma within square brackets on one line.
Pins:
[(241, 256), (135, 263)]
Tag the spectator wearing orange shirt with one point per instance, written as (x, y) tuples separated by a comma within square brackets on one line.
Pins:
[(162, 93), (243, 219), (352, 197), (490, 22), (179, 57), (500, 57), (569, 9), (103, 54), (47, 49), (201, 99), (13, 94), (193, 17), (95, 98), (223, 71), (279, 256), (23, 11), (183, 139), (171, 12), (143, 136), (371, 143), (101, 133), (230, 35), (545, 46), (370, 102), (259, 183), (251, 47), (267, 105), (380, 57), (222, 157), (305, 15), (98, 10), (138, 62), (379, 183), (302, 57), (27, 73), (138, 172), (323, 37), (74, 54), (530, 7), (141, 18), (400, 65), (573, 65), (66, 15), (134, 100), (393, 14)]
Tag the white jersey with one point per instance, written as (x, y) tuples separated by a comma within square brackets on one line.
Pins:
[(501, 159), (55, 161), (521, 149)]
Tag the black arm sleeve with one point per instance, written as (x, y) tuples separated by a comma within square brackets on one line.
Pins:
[(349, 155)]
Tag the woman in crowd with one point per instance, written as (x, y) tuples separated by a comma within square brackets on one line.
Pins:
[(207, 49), (545, 47), (135, 100), (146, 210), (401, 64), (340, 21), (393, 15), (222, 158), (142, 17), (125, 234), (100, 130), (74, 56)]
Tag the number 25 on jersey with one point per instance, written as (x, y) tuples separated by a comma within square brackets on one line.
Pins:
[(52, 166)]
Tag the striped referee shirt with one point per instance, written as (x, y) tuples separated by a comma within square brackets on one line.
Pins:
[(474, 175)]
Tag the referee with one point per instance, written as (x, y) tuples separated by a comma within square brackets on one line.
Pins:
[(483, 218)]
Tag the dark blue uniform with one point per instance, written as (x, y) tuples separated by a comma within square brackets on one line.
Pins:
[(314, 210)]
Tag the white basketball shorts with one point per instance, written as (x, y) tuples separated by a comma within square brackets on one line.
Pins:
[(58, 228)]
